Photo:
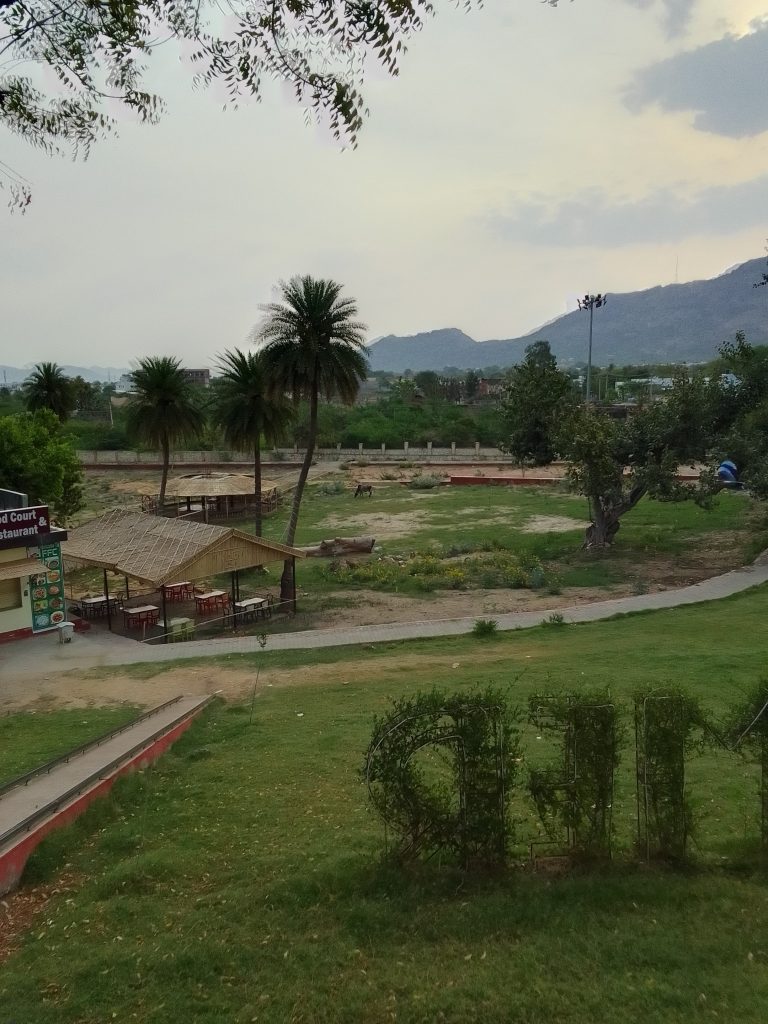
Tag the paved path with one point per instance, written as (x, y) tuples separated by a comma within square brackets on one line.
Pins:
[(49, 790), (45, 657)]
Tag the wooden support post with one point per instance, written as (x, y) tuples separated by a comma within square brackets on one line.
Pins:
[(234, 598), (127, 590), (106, 595), (165, 614)]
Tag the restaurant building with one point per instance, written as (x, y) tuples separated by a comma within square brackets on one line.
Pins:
[(31, 570)]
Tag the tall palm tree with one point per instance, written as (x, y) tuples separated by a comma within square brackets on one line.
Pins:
[(47, 387), (162, 409), (313, 346), (246, 411)]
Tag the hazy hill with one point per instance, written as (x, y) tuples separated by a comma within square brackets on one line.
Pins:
[(673, 323)]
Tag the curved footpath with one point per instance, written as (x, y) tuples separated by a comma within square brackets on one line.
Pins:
[(45, 656)]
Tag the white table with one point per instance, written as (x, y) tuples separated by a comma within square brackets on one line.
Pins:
[(250, 606)]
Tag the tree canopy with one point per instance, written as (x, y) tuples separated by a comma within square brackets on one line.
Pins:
[(37, 459), (101, 54), (538, 396), (47, 387)]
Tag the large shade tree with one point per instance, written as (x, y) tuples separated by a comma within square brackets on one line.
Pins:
[(313, 346), (163, 409), (247, 412), (37, 459), (538, 397), (100, 53), (48, 387)]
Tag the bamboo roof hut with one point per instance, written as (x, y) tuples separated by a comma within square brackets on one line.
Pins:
[(156, 551), (215, 495)]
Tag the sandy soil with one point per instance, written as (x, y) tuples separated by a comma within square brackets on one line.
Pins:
[(552, 524), (381, 525)]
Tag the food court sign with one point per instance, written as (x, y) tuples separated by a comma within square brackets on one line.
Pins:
[(20, 526)]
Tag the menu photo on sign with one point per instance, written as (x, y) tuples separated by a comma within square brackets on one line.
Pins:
[(47, 589)]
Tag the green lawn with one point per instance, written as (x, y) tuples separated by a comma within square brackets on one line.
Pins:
[(32, 738), (240, 880)]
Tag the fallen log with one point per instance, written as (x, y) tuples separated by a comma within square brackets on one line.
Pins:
[(340, 546)]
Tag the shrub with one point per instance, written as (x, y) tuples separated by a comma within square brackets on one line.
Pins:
[(485, 628), (424, 482), (555, 619), (331, 487)]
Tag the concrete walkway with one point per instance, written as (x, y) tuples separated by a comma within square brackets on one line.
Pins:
[(47, 802), (44, 656), (48, 790)]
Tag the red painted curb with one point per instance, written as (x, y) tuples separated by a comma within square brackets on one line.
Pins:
[(13, 861)]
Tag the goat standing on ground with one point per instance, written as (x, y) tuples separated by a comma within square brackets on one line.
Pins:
[(363, 489)]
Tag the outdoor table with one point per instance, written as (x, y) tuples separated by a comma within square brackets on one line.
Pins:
[(141, 615), (178, 591), (94, 607), (250, 607), (212, 600)]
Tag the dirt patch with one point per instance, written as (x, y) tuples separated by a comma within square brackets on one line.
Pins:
[(372, 606), (381, 525), (551, 524)]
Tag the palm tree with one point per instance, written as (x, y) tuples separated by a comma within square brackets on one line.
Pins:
[(47, 387), (245, 411), (313, 345), (162, 409)]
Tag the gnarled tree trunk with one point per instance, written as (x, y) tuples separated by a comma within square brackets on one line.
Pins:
[(287, 580), (605, 524)]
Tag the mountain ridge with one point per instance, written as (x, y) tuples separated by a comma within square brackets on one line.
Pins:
[(665, 323)]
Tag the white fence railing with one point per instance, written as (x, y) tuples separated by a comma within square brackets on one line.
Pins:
[(407, 453)]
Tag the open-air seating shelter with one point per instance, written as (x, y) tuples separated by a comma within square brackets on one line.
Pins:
[(156, 552)]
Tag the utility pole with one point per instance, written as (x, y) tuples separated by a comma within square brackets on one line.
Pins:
[(591, 302)]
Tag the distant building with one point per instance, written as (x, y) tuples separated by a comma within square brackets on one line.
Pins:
[(490, 387), (200, 378), (124, 384)]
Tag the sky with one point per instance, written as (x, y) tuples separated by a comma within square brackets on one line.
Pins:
[(525, 154)]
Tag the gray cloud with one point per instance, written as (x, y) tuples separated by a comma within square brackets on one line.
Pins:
[(594, 218), (723, 82)]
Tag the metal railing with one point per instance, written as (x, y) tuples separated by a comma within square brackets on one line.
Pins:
[(47, 768), (26, 824)]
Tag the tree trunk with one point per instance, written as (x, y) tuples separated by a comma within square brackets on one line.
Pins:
[(257, 481), (605, 524), (287, 582), (164, 478)]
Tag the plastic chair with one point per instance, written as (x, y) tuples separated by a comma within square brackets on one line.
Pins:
[(187, 630)]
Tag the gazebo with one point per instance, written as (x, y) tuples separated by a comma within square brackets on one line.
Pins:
[(215, 495), (156, 551)]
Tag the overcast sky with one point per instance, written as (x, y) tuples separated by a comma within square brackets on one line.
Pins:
[(525, 154)]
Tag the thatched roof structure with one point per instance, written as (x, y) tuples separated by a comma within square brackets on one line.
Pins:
[(215, 485), (155, 550)]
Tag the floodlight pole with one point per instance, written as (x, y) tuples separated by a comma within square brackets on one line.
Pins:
[(590, 302)]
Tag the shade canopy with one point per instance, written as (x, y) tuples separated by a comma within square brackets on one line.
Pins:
[(21, 567), (215, 485), (155, 550)]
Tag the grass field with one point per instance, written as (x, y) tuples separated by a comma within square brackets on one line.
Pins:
[(27, 740), (241, 880)]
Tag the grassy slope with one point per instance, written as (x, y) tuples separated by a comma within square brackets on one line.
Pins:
[(27, 740), (239, 881)]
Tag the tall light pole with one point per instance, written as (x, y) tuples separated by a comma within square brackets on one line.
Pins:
[(591, 302)]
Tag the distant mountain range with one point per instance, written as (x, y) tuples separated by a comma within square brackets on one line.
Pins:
[(676, 323), (103, 374)]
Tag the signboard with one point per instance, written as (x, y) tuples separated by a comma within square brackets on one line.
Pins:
[(20, 526), (46, 590)]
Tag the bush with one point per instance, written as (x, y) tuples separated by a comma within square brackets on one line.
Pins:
[(483, 629), (425, 482), (331, 487), (555, 619)]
